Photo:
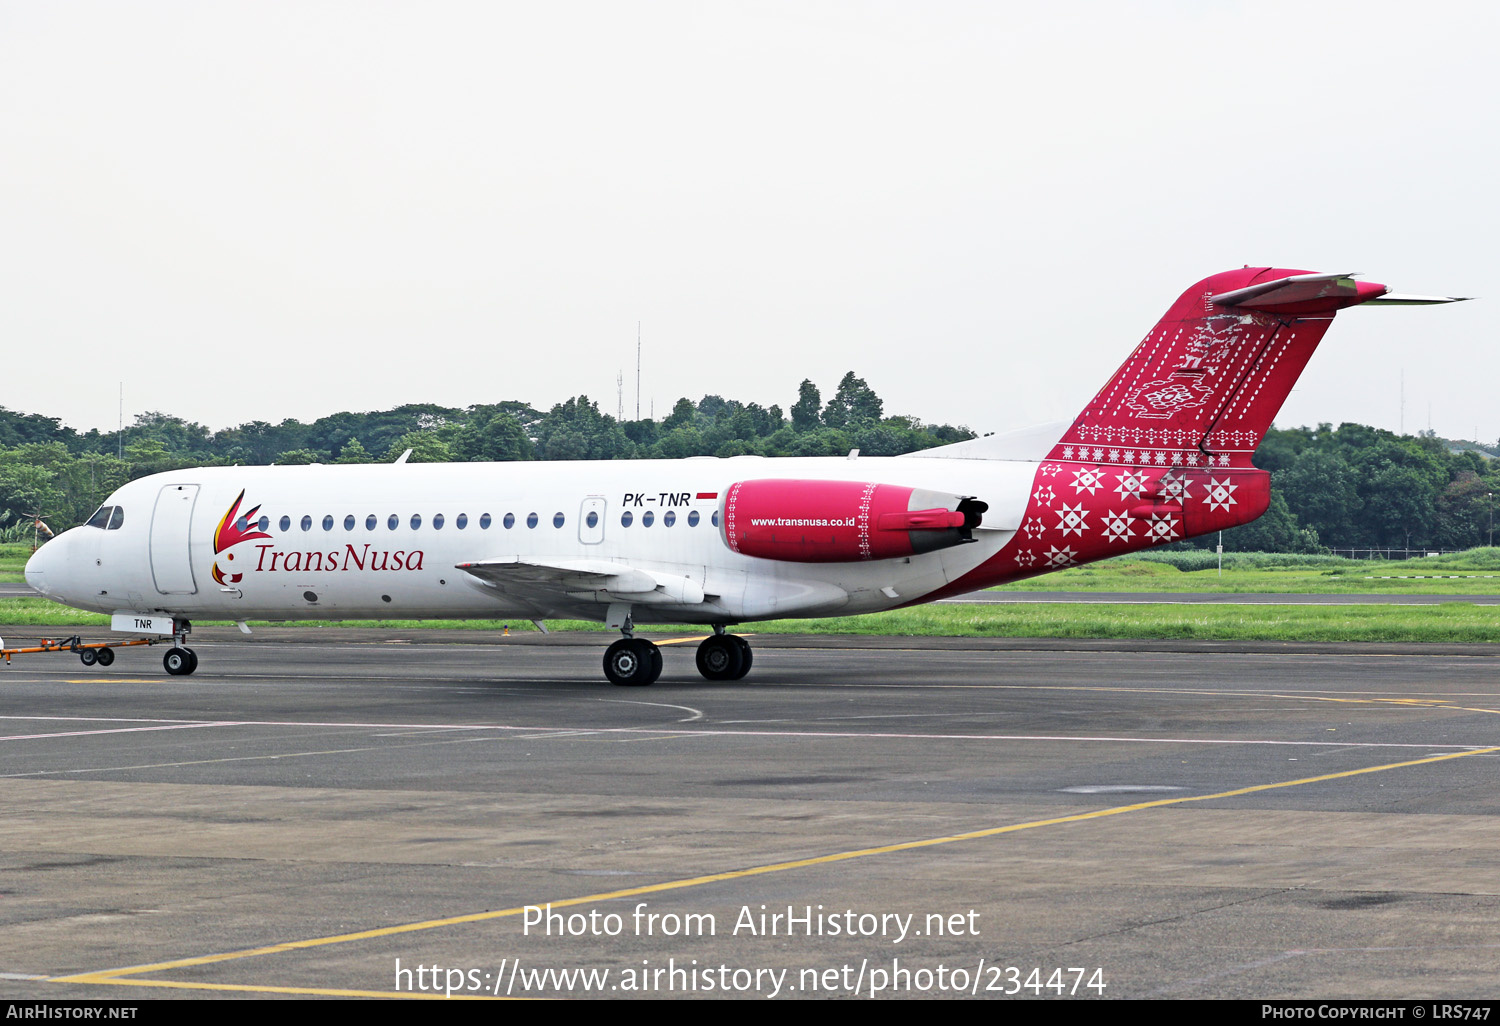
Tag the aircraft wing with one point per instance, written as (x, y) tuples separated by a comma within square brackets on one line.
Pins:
[(596, 579)]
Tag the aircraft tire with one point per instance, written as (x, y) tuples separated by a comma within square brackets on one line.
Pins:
[(629, 662), (178, 662), (105, 656), (719, 658), (746, 653), (88, 656), (192, 660)]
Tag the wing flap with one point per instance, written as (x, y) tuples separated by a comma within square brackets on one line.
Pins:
[(596, 579)]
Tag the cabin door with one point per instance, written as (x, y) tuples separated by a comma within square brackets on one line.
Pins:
[(171, 559)]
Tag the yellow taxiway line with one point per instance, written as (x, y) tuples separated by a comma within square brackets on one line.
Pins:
[(121, 975)]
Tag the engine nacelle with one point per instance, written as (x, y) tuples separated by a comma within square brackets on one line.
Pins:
[(803, 521)]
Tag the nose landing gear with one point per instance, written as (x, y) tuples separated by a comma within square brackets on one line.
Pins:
[(180, 662)]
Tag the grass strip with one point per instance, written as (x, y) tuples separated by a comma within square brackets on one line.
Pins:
[(1450, 622)]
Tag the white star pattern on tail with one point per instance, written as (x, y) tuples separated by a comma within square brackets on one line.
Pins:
[(1089, 479), (1071, 519), (1132, 484), (1173, 486), (1161, 528), (1064, 556), (1117, 527), (1221, 494)]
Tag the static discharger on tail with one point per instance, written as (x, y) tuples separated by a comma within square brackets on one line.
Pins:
[(1162, 452)]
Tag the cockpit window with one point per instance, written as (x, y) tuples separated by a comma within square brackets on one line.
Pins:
[(100, 519), (116, 519)]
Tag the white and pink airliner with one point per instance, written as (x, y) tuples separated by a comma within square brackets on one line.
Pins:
[(1161, 453)]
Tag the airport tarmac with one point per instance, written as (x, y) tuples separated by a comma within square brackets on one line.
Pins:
[(320, 811)]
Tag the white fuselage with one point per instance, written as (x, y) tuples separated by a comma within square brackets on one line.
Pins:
[(341, 542)]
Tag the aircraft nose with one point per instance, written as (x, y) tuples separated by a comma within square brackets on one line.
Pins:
[(44, 567)]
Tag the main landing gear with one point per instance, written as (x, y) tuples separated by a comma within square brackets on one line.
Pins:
[(632, 662), (724, 656), (636, 662)]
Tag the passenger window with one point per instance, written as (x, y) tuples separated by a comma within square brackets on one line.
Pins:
[(285, 524), (416, 521), (461, 521), (437, 522), (626, 519), (241, 525), (648, 518), (371, 521), (557, 520), (328, 522), (484, 522), (592, 519), (101, 516), (393, 523), (306, 522), (531, 520), (693, 519), (668, 518), (349, 522), (509, 521), (715, 518), (263, 524)]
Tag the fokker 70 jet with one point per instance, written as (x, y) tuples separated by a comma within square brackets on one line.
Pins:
[(1163, 452)]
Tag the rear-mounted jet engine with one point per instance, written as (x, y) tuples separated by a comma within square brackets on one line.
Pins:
[(803, 521)]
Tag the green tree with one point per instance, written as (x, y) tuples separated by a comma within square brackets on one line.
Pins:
[(576, 430), (855, 404), (425, 446), (354, 452), (1322, 489), (1399, 487), (807, 410), (679, 443), (1276, 530), (491, 434), (27, 489), (683, 414)]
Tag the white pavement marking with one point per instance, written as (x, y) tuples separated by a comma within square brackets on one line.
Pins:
[(117, 730), (697, 714)]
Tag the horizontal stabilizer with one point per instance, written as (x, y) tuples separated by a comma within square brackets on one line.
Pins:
[(1403, 299), (1301, 294)]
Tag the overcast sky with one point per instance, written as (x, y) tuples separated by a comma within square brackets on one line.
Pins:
[(266, 210)]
